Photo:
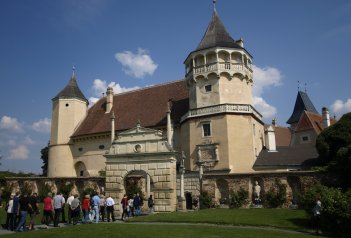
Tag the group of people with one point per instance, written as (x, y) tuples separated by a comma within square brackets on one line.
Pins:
[(18, 207), (131, 206)]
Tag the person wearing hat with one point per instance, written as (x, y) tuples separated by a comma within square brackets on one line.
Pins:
[(10, 216)]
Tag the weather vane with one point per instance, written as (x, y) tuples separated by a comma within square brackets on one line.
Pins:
[(298, 85), (305, 87)]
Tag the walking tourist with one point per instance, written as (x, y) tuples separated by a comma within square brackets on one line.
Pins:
[(58, 202), (96, 205), (75, 209), (86, 208), (34, 211), (70, 210), (9, 215), (48, 210), (110, 209), (23, 211), (150, 204), (102, 207), (124, 203)]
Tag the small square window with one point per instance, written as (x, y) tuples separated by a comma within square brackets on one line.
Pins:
[(206, 129), (305, 138), (208, 88)]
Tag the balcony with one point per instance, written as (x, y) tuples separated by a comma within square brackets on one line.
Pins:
[(218, 67), (222, 108)]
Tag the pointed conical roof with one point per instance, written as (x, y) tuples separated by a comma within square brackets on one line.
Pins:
[(216, 35), (303, 103), (71, 90)]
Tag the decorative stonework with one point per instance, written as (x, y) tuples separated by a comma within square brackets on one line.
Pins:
[(145, 152)]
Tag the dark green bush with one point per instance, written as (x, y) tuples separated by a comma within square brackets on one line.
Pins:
[(238, 198), (336, 208), (205, 201), (276, 196)]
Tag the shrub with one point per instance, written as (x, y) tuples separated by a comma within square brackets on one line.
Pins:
[(26, 189), (88, 191), (43, 192), (336, 208), (6, 192), (276, 196), (205, 201), (238, 199)]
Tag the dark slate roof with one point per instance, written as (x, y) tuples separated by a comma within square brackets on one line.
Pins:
[(286, 156), (71, 91), (149, 105), (303, 103), (216, 35)]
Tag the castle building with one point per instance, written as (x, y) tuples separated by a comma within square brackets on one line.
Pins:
[(203, 124)]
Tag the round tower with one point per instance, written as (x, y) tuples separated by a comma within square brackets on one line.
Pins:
[(69, 109), (224, 129)]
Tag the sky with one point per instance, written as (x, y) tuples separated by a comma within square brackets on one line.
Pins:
[(132, 44)]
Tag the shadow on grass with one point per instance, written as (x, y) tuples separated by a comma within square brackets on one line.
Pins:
[(304, 223)]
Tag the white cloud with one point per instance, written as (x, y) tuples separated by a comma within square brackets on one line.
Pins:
[(267, 111), (99, 87), (136, 65), (28, 141), (339, 107), (265, 78), (19, 153), (10, 123), (43, 125)]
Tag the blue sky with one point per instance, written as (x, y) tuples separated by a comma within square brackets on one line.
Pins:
[(131, 44)]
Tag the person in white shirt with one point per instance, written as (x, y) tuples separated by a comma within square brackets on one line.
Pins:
[(110, 209), (69, 202)]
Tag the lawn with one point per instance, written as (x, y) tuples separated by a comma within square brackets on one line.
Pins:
[(155, 231), (220, 223), (278, 218)]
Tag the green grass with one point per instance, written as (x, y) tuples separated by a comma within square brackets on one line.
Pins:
[(279, 218), (267, 221), (155, 231)]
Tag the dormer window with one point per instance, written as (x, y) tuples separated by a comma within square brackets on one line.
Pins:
[(208, 88)]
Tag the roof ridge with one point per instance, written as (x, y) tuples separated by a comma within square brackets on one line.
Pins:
[(149, 86)]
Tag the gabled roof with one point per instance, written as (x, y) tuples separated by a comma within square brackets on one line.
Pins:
[(149, 105), (71, 91), (310, 120), (216, 35), (302, 103)]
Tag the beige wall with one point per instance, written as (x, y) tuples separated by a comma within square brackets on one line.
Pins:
[(235, 90), (60, 161)]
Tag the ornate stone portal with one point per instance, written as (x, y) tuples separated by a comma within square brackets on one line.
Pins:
[(146, 153)]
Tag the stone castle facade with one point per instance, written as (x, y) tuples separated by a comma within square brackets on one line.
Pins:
[(177, 138)]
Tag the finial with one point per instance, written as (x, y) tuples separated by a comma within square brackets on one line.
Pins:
[(298, 85), (214, 5), (305, 87), (73, 71)]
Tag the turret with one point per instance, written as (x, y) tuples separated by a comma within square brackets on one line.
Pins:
[(219, 70), (69, 109)]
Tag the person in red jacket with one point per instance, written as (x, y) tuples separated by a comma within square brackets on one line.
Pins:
[(124, 203), (86, 208)]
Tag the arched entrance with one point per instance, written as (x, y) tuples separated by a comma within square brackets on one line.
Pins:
[(138, 181)]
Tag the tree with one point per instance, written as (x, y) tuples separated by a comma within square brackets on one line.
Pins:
[(334, 149), (45, 158)]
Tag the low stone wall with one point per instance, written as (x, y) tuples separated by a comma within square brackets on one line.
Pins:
[(37, 184)]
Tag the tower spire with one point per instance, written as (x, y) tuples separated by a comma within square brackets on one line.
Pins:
[(214, 5)]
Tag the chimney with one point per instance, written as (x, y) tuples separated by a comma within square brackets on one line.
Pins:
[(112, 127), (109, 99), (274, 122), (270, 139), (169, 124), (326, 118)]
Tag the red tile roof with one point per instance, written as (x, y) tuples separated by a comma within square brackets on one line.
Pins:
[(149, 105), (310, 120), (282, 136)]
